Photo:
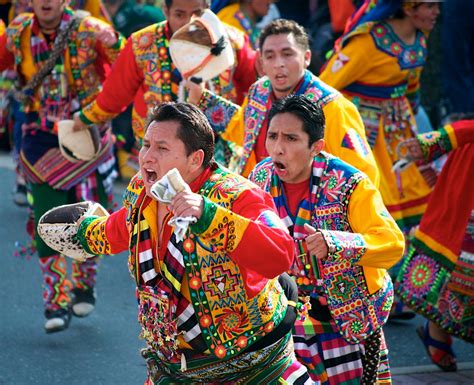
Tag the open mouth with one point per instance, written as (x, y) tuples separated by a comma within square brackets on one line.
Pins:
[(151, 175), (279, 166), (46, 9)]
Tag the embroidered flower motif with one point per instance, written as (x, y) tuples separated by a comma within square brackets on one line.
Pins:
[(195, 283), (220, 351), (232, 322), (354, 326), (333, 184), (188, 245), (261, 175), (205, 321), (242, 342), (421, 273)]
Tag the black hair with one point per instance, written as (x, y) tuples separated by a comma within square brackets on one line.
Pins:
[(169, 3), (308, 111), (194, 129), (284, 26)]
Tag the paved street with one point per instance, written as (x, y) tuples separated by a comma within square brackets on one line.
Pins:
[(104, 347)]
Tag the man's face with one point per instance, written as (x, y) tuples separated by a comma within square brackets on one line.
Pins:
[(181, 11), (162, 151), (48, 12), (284, 62), (288, 145)]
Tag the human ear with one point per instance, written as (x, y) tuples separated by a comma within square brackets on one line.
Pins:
[(317, 147)]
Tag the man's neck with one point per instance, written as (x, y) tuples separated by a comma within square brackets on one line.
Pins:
[(49, 28), (281, 94)]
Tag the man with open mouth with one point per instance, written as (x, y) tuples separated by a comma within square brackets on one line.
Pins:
[(345, 241), (284, 58), (211, 306)]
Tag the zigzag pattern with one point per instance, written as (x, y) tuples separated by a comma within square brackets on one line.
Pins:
[(228, 302)]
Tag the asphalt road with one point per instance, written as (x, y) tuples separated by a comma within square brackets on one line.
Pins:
[(104, 347)]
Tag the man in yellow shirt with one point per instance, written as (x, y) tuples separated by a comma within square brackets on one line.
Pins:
[(285, 55), (340, 268)]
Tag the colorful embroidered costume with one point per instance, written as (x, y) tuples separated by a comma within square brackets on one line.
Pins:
[(380, 73), (213, 296), (350, 291), (94, 7), (74, 81), (437, 277), (145, 75), (247, 125), (233, 15)]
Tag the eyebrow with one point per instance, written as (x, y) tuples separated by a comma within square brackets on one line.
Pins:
[(270, 50)]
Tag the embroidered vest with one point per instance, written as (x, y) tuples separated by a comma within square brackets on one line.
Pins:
[(228, 320), (81, 49), (258, 102), (357, 313)]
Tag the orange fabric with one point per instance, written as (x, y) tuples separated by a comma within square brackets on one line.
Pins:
[(340, 11)]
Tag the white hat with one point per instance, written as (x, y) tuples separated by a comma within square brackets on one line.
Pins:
[(77, 146), (201, 48)]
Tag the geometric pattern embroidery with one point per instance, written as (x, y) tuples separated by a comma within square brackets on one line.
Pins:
[(353, 141), (220, 282)]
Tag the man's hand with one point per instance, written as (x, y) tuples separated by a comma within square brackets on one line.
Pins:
[(78, 123), (315, 242), (107, 37), (194, 91), (187, 204)]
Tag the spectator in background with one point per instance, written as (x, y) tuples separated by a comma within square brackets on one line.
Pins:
[(128, 16), (327, 24)]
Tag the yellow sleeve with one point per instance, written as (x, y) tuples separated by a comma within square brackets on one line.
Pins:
[(350, 64), (96, 9), (369, 217), (226, 15), (345, 137)]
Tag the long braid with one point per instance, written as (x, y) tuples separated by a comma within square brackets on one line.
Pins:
[(371, 358)]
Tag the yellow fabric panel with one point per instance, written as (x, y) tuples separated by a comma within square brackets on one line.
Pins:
[(365, 63), (96, 9), (452, 136), (341, 116), (436, 246), (226, 15), (225, 230), (96, 237), (234, 131), (369, 217)]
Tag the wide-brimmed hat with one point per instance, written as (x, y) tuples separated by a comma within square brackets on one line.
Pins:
[(201, 48), (83, 145)]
